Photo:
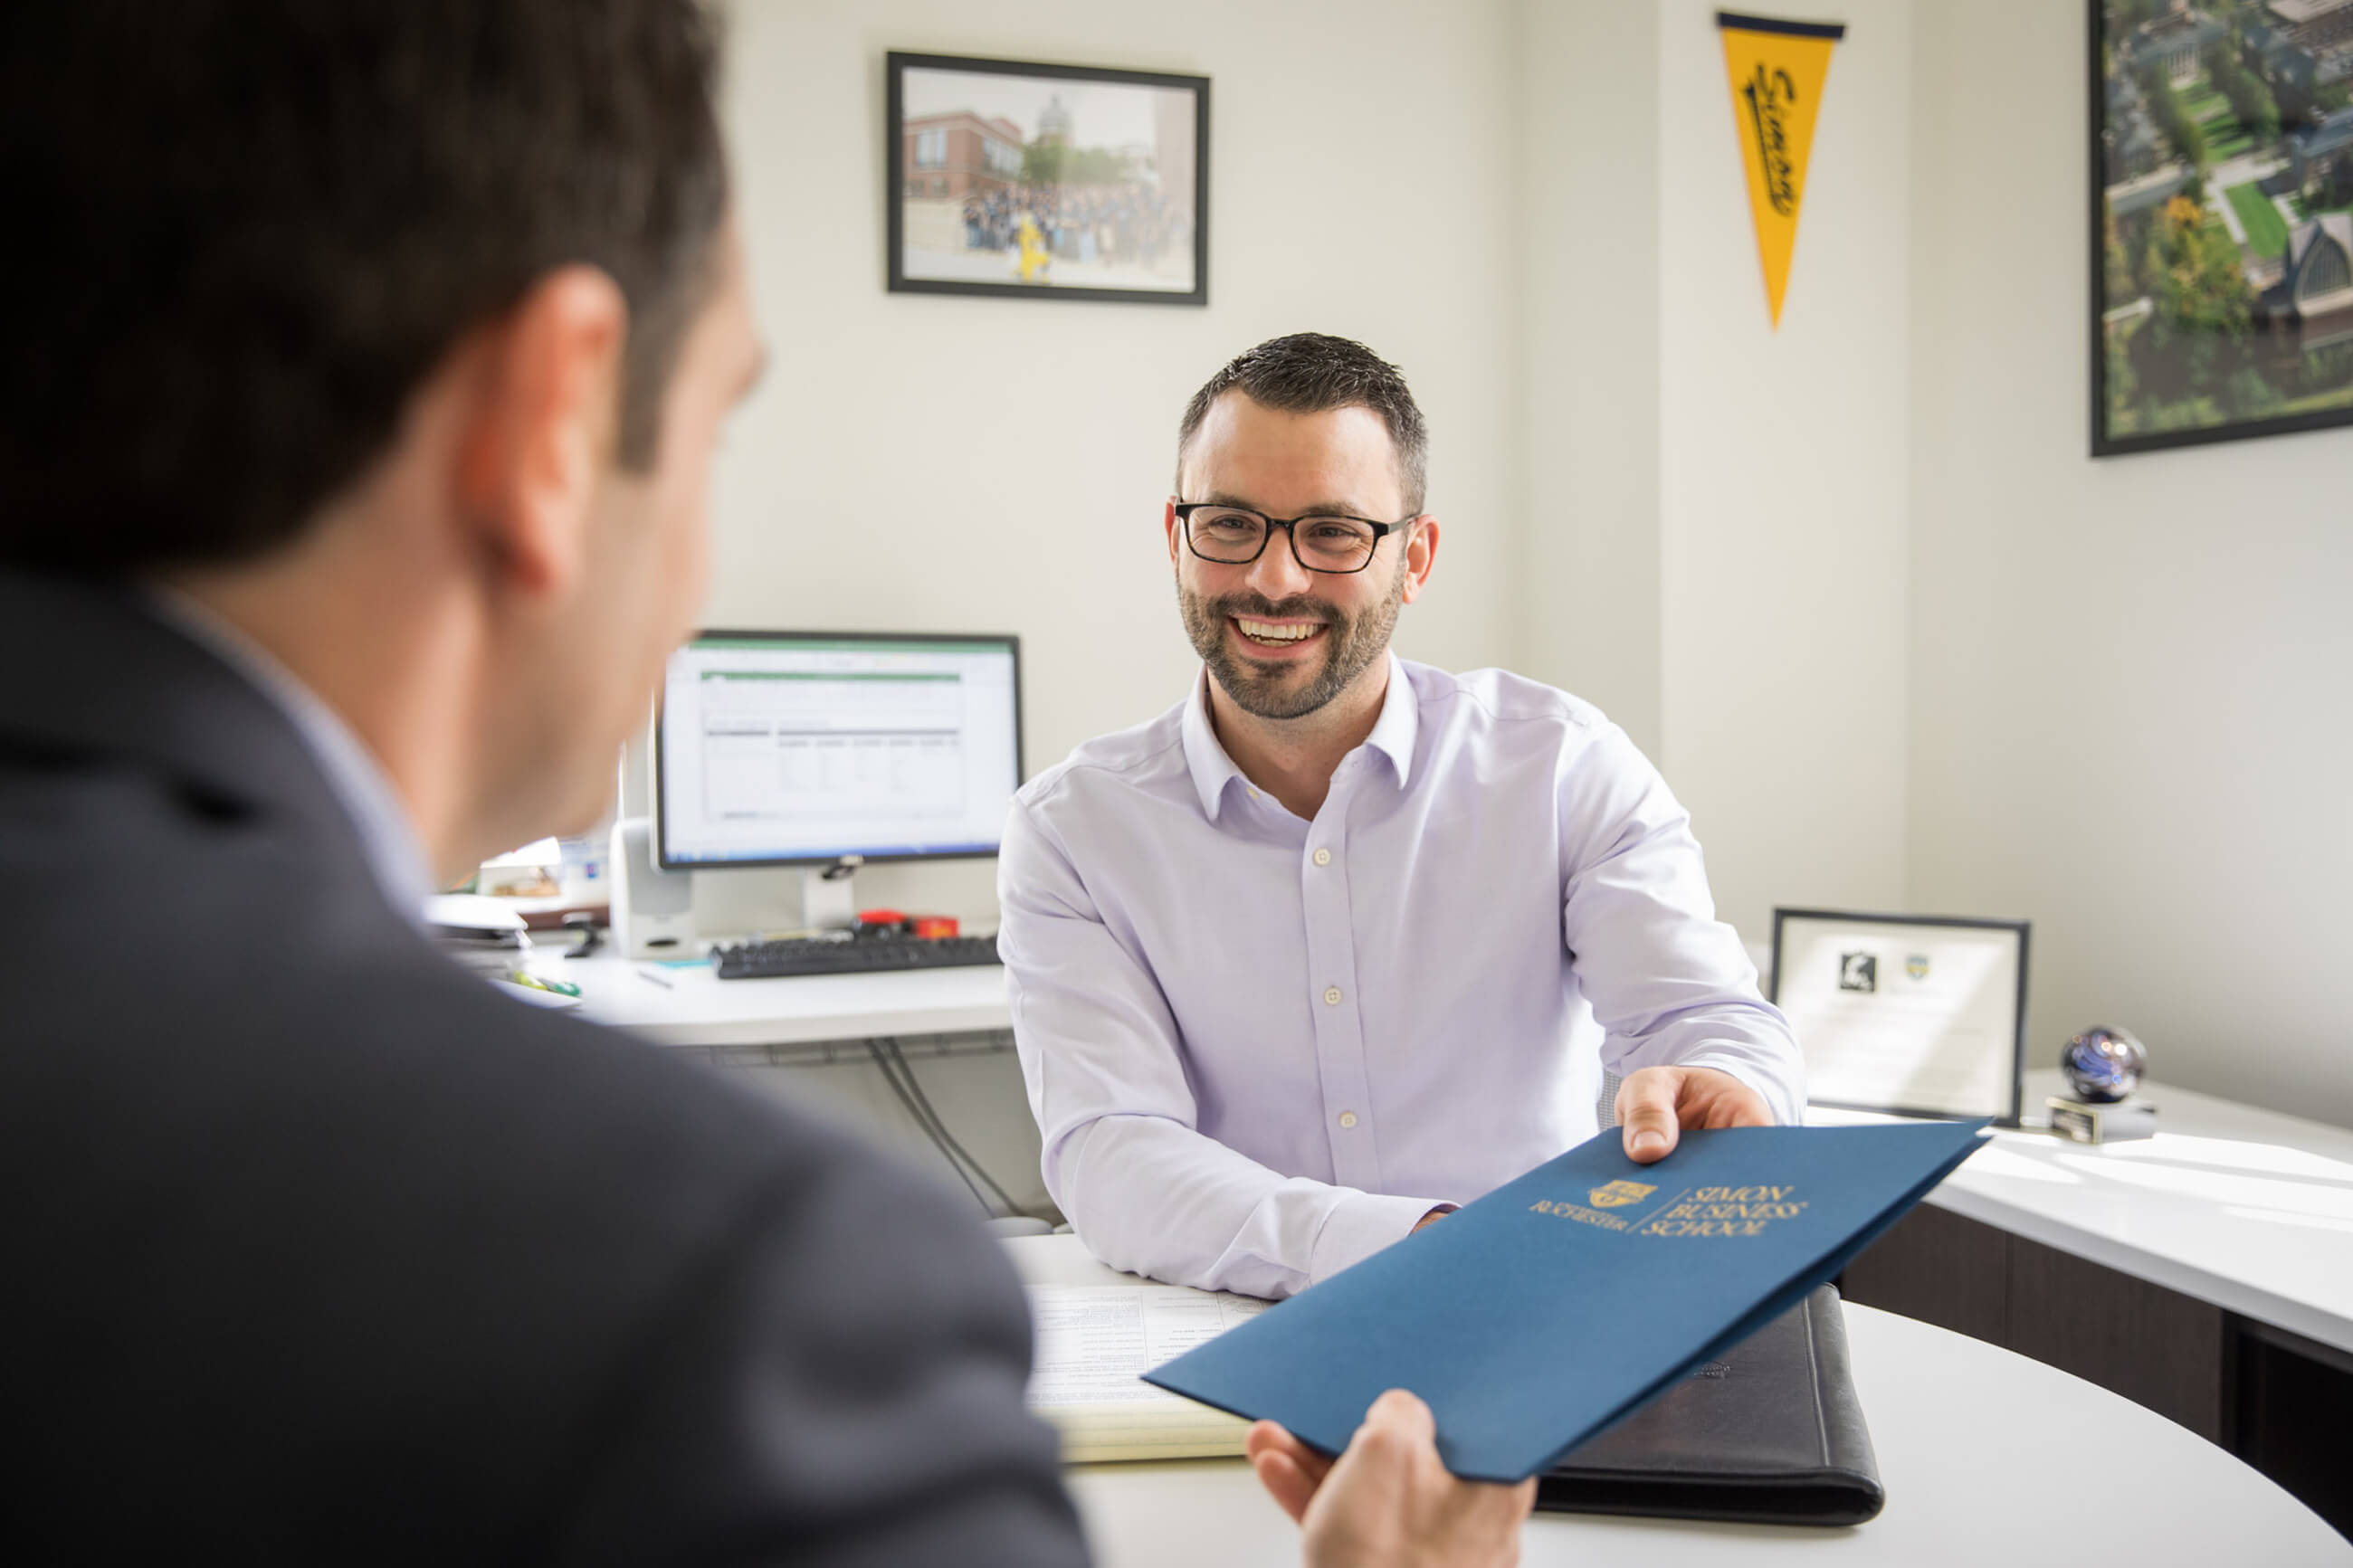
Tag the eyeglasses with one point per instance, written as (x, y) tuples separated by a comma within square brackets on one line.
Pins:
[(1236, 536)]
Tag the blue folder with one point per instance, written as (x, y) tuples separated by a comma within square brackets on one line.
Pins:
[(1532, 1318)]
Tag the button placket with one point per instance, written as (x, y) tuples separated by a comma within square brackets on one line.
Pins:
[(1332, 976)]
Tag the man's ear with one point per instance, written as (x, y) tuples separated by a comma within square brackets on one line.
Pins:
[(1168, 522), (543, 429), (1420, 555)]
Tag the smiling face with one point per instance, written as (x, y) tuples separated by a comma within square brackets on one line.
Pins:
[(1280, 641)]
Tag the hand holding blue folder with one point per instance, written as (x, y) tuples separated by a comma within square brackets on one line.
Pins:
[(1553, 1306)]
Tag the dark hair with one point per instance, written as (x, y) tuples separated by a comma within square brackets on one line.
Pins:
[(248, 230), (1308, 373)]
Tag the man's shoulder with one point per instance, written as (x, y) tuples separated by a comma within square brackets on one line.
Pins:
[(1498, 701), (261, 1084), (164, 953), (1142, 757)]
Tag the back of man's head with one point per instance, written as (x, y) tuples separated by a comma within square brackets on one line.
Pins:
[(244, 231), (1312, 373)]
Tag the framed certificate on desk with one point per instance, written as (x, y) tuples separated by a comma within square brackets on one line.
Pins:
[(1900, 1013)]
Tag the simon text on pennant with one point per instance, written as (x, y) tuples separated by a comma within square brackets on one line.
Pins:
[(1777, 70)]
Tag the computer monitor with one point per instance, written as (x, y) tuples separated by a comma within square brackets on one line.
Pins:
[(802, 748)]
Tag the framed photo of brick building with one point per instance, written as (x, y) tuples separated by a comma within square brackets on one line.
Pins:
[(1047, 181), (2221, 254)]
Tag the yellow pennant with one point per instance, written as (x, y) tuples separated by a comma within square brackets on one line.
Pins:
[(1777, 69)]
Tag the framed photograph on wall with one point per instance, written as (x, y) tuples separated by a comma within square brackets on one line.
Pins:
[(2222, 220), (1907, 1014), (1047, 182)]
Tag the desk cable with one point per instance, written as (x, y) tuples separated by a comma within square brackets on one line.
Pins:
[(892, 1064)]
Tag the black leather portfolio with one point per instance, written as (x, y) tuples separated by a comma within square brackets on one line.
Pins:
[(1771, 1434)]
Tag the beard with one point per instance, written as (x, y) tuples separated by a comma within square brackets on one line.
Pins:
[(1351, 645)]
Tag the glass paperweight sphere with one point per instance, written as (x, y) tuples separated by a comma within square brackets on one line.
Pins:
[(2103, 1064)]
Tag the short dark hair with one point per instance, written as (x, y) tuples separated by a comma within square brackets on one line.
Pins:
[(247, 231), (1309, 372)]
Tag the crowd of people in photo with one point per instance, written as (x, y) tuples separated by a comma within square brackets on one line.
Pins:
[(1133, 224)]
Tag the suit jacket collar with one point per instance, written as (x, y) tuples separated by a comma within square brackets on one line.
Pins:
[(90, 670)]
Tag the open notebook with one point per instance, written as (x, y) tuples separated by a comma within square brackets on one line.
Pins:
[(1093, 1344)]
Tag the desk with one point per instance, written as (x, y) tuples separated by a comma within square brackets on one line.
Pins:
[(804, 1039), (694, 1008), (2206, 1273), (1988, 1458), (2247, 1209)]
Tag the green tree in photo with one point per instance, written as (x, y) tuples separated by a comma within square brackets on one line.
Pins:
[(2115, 268), (2199, 336), (2124, 384), (2250, 99), (2164, 108), (1041, 163), (2199, 287), (1055, 163), (2133, 235), (1095, 166), (2248, 394)]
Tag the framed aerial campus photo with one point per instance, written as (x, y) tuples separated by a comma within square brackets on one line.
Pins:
[(1047, 182), (2222, 254), (1915, 1015)]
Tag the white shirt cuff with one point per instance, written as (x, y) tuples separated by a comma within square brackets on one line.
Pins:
[(1360, 1224)]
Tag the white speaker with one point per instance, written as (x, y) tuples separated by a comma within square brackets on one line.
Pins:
[(653, 909)]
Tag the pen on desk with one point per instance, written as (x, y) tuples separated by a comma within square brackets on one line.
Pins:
[(658, 980)]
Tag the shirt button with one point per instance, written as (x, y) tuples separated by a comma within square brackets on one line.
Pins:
[(1347, 1119), (1322, 857), (1331, 995)]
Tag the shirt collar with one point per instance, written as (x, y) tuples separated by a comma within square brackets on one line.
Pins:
[(1399, 725), (1394, 735), (386, 835), (1205, 759)]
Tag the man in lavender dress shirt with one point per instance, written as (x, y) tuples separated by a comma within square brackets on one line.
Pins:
[(1340, 942)]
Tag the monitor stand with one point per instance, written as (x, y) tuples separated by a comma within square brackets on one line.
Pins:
[(828, 902)]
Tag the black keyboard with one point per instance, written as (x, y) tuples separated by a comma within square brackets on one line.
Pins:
[(853, 955)]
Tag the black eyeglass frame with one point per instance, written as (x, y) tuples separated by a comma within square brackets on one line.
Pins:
[(1186, 509)]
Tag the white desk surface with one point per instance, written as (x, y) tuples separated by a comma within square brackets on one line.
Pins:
[(2248, 1209), (1988, 1458), (692, 1007)]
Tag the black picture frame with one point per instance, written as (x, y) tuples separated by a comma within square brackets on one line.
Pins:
[(2292, 358), (1150, 233), (2002, 1117)]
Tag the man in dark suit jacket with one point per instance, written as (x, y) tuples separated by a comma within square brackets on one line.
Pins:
[(353, 454)]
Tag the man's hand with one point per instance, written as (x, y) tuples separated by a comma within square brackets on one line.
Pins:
[(1656, 1103), (1387, 1503)]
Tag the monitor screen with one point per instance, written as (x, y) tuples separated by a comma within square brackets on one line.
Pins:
[(783, 748)]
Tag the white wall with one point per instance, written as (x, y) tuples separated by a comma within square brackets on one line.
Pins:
[(931, 463), (966, 464), (2132, 698), (1784, 479), (1589, 607), (1716, 526)]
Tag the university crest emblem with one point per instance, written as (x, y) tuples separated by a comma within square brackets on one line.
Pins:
[(1916, 967), (1618, 1195)]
